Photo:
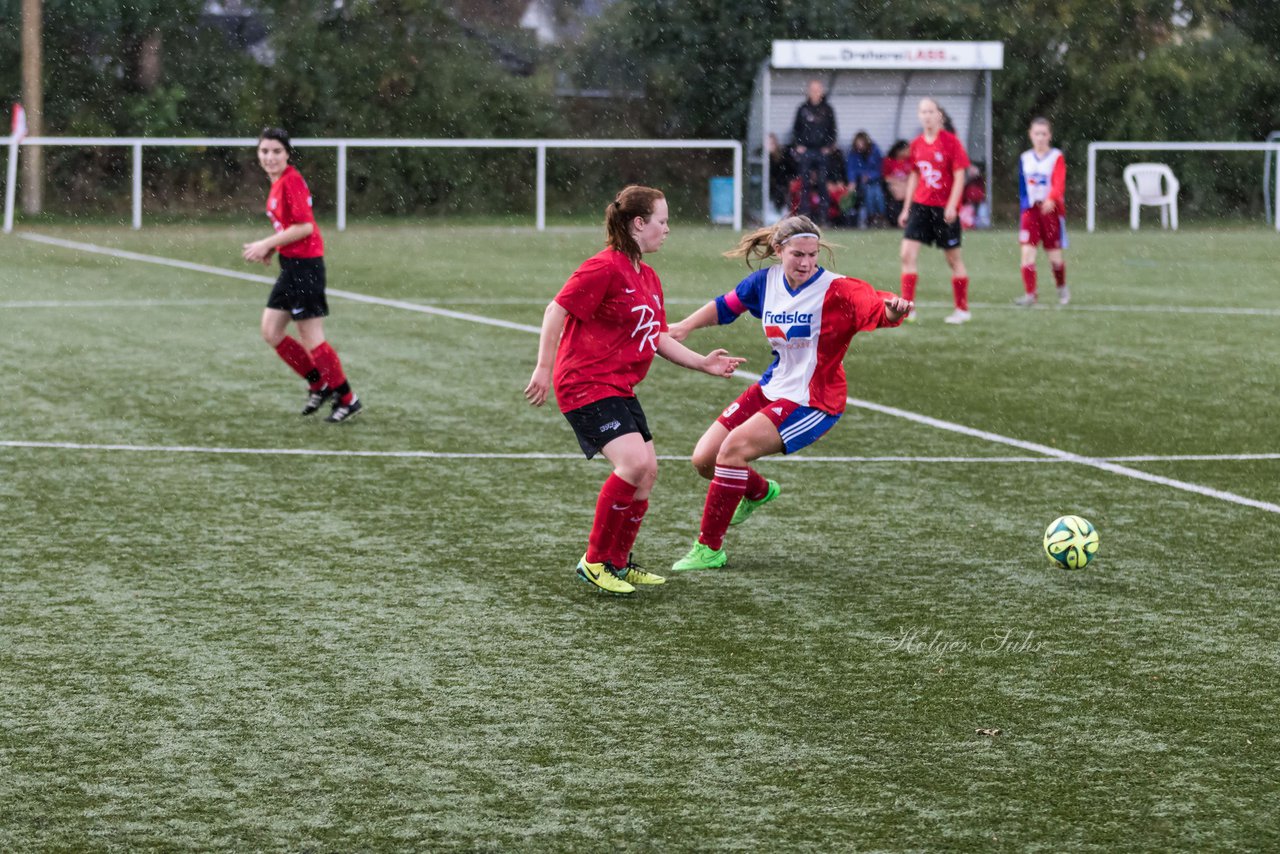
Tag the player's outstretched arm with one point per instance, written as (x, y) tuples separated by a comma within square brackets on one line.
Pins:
[(718, 363), (548, 338), (705, 316), (896, 308)]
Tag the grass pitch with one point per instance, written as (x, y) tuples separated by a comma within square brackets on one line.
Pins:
[(307, 649)]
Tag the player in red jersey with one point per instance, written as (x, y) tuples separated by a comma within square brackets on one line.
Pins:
[(601, 333), (809, 316), (1042, 183), (931, 212), (298, 294)]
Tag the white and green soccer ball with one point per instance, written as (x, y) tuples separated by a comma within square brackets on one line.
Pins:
[(1071, 542)]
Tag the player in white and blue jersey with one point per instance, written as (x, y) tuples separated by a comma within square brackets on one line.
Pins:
[(1042, 184), (809, 315)]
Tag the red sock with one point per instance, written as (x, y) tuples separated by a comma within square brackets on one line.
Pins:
[(1029, 278), (960, 289), (330, 367), (612, 508), (727, 488), (631, 520), (1060, 274), (909, 286), (295, 356), (757, 486)]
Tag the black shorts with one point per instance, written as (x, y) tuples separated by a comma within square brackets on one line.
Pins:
[(300, 288), (597, 424), (926, 224)]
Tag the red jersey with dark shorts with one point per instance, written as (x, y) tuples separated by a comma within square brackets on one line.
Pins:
[(936, 162), (611, 334), (289, 203)]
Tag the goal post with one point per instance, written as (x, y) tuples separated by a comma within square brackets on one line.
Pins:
[(1271, 148)]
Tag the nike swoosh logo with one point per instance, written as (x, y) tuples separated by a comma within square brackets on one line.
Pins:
[(594, 576), (296, 310), (628, 290)]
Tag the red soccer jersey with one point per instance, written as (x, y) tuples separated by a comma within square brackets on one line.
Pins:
[(611, 334), (935, 162), (289, 203)]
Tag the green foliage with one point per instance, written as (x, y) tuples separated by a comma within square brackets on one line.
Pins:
[(1130, 69), (398, 69)]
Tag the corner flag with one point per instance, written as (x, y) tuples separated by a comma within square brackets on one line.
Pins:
[(18, 128)]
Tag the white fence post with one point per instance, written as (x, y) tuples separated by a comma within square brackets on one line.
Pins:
[(342, 186), (342, 145), (738, 188), (10, 184), (1091, 216), (137, 186), (541, 216)]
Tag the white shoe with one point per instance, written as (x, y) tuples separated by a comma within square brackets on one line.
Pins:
[(958, 316), (1025, 300), (1064, 295)]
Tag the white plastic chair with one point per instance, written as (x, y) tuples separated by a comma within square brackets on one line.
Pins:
[(1152, 184)]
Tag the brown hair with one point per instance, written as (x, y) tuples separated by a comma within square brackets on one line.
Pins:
[(634, 201), (1041, 120), (764, 242)]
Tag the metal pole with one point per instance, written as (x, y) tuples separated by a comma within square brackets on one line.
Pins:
[(1276, 209), (137, 186), (542, 188), (989, 132), (33, 102), (1090, 215), (342, 187), (765, 174), (10, 184), (738, 188)]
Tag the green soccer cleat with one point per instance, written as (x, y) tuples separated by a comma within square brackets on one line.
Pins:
[(634, 573), (746, 506), (604, 577), (701, 557)]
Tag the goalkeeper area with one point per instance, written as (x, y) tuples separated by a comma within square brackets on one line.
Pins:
[(224, 627)]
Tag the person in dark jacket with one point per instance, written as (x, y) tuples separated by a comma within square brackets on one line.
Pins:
[(813, 138), (863, 167)]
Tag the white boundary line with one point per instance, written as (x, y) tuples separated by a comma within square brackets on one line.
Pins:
[(115, 303), (534, 455), (937, 423), (431, 307), (253, 277)]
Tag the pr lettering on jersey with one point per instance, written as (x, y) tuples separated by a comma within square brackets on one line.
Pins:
[(930, 175), (648, 327)]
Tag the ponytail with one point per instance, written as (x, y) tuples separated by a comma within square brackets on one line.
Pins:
[(765, 242), (634, 201)]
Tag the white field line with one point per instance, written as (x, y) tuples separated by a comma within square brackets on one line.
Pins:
[(253, 277), (937, 423), (534, 455), (429, 306), (116, 303)]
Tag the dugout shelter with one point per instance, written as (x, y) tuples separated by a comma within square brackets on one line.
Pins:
[(872, 86)]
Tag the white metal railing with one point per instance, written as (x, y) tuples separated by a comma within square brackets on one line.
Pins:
[(539, 146), (1271, 147)]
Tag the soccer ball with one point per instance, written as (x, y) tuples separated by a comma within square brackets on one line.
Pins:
[(1071, 542)]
